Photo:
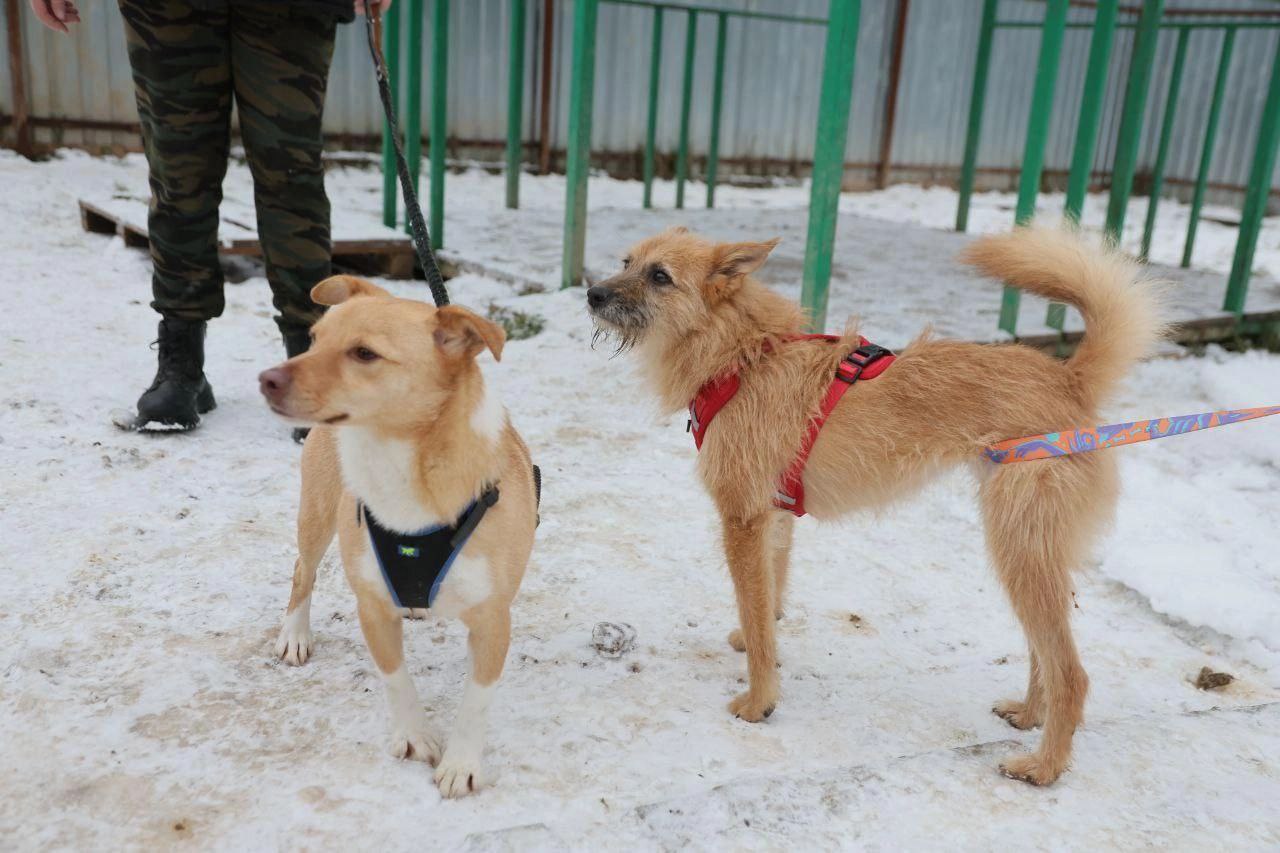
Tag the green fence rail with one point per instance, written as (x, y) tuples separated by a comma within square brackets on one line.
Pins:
[(1148, 21), (1151, 19), (837, 87)]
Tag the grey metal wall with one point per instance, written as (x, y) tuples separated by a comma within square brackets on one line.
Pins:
[(772, 80)]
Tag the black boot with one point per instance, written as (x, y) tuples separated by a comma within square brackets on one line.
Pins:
[(296, 342), (179, 394)]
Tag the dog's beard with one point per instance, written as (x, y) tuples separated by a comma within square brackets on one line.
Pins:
[(621, 340)]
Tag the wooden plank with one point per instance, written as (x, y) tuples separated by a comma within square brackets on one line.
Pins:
[(1222, 328), (390, 256), (94, 220)]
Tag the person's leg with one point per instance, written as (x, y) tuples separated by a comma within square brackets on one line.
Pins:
[(180, 55), (280, 57)]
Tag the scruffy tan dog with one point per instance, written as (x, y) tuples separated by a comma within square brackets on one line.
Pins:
[(406, 430), (693, 313)]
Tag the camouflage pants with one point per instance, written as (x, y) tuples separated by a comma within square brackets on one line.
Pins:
[(190, 59)]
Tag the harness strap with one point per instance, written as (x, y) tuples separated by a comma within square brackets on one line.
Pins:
[(488, 498), (416, 584), (854, 366), (866, 362)]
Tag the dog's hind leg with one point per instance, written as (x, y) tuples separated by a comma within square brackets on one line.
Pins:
[(1025, 713), (317, 521), (1039, 518), (751, 566), (781, 532), (459, 772)]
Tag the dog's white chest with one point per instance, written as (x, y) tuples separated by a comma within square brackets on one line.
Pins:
[(380, 472)]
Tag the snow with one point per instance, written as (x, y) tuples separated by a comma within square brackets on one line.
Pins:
[(146, 576)]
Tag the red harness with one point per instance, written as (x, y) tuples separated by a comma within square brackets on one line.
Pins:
[(866, 362)]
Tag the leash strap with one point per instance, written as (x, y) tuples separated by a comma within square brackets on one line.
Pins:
[(413, 211), (1085, 439)]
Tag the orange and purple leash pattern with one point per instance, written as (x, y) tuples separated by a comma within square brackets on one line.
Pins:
[(1050, 444)]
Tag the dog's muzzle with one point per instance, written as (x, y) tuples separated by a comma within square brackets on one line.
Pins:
[(598, 297)]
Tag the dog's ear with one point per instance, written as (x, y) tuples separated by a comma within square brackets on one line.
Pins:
[(730, 262), (460, 332), (734, 260), (337, 289)]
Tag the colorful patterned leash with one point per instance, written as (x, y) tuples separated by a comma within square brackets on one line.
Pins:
[(1085, 439)]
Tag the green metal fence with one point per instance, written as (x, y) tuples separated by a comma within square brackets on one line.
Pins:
[(413, 108), (828, 159), (1150, 21)]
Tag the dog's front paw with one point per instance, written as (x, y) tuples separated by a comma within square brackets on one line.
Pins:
[(416, 744), (1017, 714), (1031, 769), (458, 775), (736, 640), (752, 707), (293, 645)]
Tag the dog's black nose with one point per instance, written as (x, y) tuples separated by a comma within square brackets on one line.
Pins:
[(597, 295)]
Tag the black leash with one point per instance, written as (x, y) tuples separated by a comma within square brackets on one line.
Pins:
[(421, 239)]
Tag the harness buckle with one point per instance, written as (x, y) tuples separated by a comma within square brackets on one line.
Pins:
[(851, 366)]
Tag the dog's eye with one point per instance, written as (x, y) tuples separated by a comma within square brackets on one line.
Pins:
[(626, 262), (660, 276), (364, 354)]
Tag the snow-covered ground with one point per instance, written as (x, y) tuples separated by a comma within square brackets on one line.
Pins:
[(144, 579)]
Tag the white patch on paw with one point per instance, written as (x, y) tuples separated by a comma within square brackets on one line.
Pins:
[(458, 775), (293, 645), (420, 744), (459, 770), (411, 737)]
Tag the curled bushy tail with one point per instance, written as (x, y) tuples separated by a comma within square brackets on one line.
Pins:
[(1122, 310)]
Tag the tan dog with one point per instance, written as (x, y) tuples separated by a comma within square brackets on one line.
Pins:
[(693, 313), (406, 427)]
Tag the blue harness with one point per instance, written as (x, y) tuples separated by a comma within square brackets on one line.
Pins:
[(415, 564)]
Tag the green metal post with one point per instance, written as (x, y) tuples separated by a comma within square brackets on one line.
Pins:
[(651, 131), (686, 100), (1166, 131), (828, 156), (515, 103), (1135, 103), (1255, 198), (1095, 90), (578, 154), (390, 52), (717, 101), (1210, 134), (1051, 33), (413, 96), (439, 115), (977, 101)]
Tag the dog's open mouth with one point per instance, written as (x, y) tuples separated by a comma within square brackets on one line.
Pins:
[(336, 419)]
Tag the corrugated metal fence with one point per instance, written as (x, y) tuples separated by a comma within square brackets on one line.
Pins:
[(771, 89)]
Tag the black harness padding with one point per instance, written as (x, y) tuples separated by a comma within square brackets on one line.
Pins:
[(415, 564)]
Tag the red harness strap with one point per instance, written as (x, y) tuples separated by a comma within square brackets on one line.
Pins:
[(866, 362)]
